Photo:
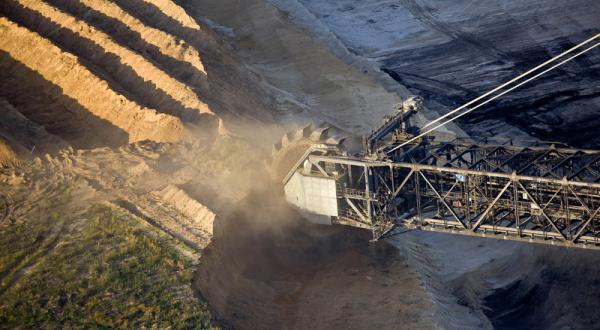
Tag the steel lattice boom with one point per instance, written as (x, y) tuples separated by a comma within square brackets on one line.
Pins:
[(539, 193)]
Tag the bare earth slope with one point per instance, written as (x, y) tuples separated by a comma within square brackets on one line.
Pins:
[(313, 84), (154, 86), (164, 110), (267, 268), (452, 51), (56, 78)]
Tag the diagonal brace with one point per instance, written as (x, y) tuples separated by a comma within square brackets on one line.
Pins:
[(489, 208), (542, 211), (442, 200)]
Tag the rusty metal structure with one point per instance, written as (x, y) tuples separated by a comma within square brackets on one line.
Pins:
[(544, 193)]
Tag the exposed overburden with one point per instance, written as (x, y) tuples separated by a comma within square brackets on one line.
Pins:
[(55, 90), (450, 52)]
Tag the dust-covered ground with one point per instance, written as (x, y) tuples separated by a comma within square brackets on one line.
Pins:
[(135, 137), (450, 52), (132, 131), (268, 268)]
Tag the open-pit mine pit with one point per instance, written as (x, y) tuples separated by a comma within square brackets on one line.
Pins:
[(145, 183)]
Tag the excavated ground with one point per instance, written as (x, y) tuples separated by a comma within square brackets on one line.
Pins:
[(151, 108), (103, 73), (267, 268), (450, 52), (165, 110)]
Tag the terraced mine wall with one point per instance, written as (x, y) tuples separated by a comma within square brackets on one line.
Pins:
[(152, 86), (104, 73), (48, 90)]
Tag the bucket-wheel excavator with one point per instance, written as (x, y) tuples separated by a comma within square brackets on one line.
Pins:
[(400, 175), (547, 193)]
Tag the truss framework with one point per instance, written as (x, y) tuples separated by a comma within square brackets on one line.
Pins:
[(545, 194)]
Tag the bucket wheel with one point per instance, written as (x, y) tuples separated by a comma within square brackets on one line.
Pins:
[(293, 145)]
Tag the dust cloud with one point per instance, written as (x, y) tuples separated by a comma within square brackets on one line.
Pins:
[(268, 268)]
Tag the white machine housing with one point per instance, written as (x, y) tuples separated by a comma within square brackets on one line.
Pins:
[(315, 197)]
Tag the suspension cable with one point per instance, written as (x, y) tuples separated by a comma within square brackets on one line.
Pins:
[(514, 79), (495, 97)]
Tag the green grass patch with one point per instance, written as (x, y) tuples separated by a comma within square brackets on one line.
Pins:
[(108, 269)]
